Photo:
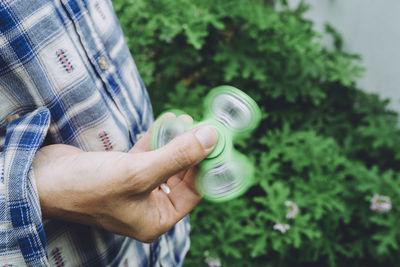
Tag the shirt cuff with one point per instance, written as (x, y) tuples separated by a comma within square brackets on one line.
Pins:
[(21, 228)]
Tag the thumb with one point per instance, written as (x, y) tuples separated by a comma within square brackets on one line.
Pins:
[(183, 152)]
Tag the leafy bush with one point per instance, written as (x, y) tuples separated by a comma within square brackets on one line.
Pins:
[(327, 154)]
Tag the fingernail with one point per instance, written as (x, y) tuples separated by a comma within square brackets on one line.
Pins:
[(165, 188), (186, 118), (207, 136), (165, 116)]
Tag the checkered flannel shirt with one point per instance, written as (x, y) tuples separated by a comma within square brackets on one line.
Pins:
[(66, 76)]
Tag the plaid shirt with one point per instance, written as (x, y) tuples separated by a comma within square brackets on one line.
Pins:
[(66, 76)]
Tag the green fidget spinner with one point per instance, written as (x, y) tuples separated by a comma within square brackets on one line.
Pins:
[(225, 173)]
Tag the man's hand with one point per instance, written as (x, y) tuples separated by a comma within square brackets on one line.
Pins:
[(120, 192)]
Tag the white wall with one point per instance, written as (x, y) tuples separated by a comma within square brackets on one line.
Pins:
[(370, 28)]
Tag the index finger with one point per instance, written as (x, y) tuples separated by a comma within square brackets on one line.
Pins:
[(184, 196)]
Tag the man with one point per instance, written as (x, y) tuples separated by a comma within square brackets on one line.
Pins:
[(74, 192)]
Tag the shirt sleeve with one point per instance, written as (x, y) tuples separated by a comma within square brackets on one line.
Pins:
[(22, 240)]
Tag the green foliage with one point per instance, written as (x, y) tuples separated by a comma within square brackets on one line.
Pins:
[(322, 144)]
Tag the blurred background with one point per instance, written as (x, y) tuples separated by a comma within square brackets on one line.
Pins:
[(368, 28), (327, 151)]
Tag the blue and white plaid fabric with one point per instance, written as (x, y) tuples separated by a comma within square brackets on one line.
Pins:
[(66, 76)]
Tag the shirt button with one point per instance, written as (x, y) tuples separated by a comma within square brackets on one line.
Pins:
[(12, 118), (103, 63)]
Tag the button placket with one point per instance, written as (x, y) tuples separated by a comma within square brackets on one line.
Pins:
[(93, 45)]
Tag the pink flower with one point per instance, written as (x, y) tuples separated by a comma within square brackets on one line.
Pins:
[(281, 227), (380, 203), (293, 209), (213, 262)]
